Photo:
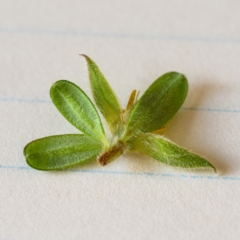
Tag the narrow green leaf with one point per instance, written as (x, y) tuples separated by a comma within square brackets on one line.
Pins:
[(159, 103), (104, 96), (61, 151), (77, 108), (167, 152)]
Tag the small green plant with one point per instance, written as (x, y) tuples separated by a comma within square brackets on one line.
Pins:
[(136, 128)]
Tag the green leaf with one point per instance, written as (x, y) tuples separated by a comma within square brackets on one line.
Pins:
[(167, 152), (104, 96), (78, 109), (61, 151), (159, 103)]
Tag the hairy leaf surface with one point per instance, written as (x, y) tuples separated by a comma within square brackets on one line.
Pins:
[(159, 103), (61, 151), (104, 96), (167, 152), (77, 108)]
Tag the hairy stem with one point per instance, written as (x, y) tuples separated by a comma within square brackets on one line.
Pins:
[(111, 154)]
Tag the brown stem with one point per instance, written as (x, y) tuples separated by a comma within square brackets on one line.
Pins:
[(110, 155)]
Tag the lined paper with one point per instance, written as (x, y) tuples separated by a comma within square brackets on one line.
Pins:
[(133, 43)]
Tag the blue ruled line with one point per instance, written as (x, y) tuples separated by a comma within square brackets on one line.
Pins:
[(159, 37), (20, 100), (211, 110), (163, 175)]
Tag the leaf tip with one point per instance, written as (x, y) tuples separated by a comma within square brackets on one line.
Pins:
[(212, 167), (84, 55), (215, 170)]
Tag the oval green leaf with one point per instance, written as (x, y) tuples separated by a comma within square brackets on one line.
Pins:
[(77, 108), (61, 151), (159, 103), (167, 152), (104, 96)]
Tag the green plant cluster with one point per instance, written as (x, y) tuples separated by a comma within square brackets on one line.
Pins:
[(136, 128)]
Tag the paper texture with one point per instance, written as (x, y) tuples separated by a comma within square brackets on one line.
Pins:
[(133, 43)]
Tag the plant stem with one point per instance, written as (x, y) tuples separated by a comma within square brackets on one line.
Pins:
[(108, 156)]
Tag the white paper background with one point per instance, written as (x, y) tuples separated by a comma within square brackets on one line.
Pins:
[(133, 42)]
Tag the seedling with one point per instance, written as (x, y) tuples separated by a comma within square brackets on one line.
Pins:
[(137, 128)]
